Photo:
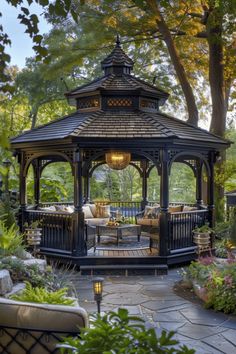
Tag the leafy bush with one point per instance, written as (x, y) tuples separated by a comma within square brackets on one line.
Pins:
[(11, 241), (221, 288), (121, 333), (41, 295), (21, 272), (219, 281), (221, 248)]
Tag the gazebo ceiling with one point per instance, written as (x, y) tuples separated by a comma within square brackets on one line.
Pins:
[(118, 106)]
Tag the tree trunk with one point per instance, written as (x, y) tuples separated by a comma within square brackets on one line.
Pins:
[(216, 80), (180, 72), (33, 116), (216, 72)]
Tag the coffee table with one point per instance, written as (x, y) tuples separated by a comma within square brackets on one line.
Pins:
[(118, 231)]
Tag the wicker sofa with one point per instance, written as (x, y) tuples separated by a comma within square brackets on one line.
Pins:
[(37, 328), (149, 217), (94, 214)]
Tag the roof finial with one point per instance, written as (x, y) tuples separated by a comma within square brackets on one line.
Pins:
[(117, 41)]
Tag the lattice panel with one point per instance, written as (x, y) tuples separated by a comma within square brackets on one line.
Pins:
[(89, 154), (119, 102), (149, 104), (154, 154), (88, 102)]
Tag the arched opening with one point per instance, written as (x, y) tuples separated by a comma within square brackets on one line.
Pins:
[(182, 183), (56, 183), (115, 185), (153, 186)]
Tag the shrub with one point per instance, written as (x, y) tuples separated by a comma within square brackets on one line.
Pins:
[(11, 241), (221, 288), (120, 333), (41, 295), (219, 281)]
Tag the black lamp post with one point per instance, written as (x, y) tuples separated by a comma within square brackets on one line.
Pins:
[(97, 290)]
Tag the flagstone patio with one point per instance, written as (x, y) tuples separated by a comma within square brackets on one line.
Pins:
[(155, 300)]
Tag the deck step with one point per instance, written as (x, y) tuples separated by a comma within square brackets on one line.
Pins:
[(124, 269)]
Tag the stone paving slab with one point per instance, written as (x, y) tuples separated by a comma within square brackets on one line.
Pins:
[(125, 299), (218, 342), (230, 323), (156, 305), (199, 331), (122, 288), (198, 315), (169, 317), (230, 335)]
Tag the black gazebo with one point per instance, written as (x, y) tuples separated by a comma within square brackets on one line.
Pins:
[(118, 112)]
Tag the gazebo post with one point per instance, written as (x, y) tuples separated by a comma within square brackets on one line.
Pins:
[(86, 188), (36, 167), (79, 248), (144, 201), (22, 191), (210, 190), (164, 203), (199, 183)]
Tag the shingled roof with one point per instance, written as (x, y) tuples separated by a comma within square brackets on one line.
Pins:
[(119, 106), (118, 125), (113, 82)]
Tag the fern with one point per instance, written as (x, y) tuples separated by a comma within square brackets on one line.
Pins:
[(10, 239), (41, 295)]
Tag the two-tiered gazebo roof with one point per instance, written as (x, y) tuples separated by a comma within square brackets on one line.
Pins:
[(118, 112)]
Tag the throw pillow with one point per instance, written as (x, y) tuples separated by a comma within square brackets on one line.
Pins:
[(151, 212), (69, 209), (175, 209), (87, 212), (93, 209), (60, 207), (189, 208), (103, 211)]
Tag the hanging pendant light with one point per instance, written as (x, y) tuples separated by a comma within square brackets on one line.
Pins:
[(118, 160)]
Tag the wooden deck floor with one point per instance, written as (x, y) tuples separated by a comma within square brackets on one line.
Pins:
[(123, 253)]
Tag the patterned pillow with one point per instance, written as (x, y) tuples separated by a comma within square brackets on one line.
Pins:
[(60, 207), (103, 211), (151, 212)]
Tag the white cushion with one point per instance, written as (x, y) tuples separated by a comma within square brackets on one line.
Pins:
[(87, 212), (96, 221), (92, 208)]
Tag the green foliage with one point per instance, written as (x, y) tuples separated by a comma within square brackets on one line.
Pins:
[(221, 288), (11, 241), (121, 333), (199, 271), (33, 224), (221, 248), (41, 295), (219, 280), (7, 212), (203, 229)]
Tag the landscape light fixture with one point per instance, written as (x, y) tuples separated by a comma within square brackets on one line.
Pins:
[(7, 163), (118, 160), (97, 290)]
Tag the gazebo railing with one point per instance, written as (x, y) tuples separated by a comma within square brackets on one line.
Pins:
[(57, 233), (56, 229), (181, 226)]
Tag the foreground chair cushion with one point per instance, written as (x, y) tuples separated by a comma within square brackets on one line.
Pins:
[(37, 328)]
